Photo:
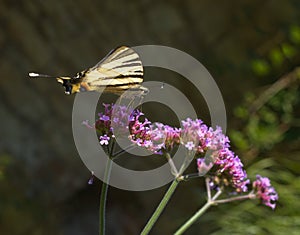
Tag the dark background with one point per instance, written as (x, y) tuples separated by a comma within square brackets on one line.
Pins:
[(43, 182)]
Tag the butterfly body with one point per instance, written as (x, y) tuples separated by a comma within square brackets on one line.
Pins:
[(119, 71)]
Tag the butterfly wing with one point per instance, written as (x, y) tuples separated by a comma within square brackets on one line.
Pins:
[(120, 70)]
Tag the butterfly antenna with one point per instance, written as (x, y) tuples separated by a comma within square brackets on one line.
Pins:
[(38, 75)]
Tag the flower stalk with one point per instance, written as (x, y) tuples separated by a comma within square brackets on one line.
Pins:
[(201, 211), (174, 170), (103, 196), (192, 220), (160, 207)]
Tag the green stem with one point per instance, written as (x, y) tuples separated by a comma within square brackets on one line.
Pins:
[(174, 170), (160, 207), (192, 220), (251, 195), (117, 154), (208, 189), (103, 197), (190, 176), (196, 216)]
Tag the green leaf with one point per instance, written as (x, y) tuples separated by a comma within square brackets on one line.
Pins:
[(288, 50), (239, 140), (260, 67), (250, 97), (276, 56), (241, 112), (295, 34), (268, 116)]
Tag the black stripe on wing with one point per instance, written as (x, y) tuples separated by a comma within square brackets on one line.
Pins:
[(132, 63), (127, 85), (122, 52), (123, 76), (129, 76), (118, 56)]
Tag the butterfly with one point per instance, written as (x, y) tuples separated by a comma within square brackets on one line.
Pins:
[(117, 72)]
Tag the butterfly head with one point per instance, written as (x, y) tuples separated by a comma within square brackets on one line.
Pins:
[(71, 84)]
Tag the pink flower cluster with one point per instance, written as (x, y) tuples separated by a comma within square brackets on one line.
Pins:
[(230, 164), (228, 168), (265, 192), (224, 167), (197, 136), (155, 137), (117, 120)]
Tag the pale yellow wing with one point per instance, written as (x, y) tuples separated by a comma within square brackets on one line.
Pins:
[(120, 70)]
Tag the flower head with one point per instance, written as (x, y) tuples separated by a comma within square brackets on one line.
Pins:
[(227, 169), (119, 120), (156, 137), (230, 167), (195, 133), (265, 192), (114, 121)]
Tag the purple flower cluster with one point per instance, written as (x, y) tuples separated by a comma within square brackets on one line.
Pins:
[(265, 192), (228, 164), (224, 167), (196, 136), (228, 168), (155, 137), (115, 121)]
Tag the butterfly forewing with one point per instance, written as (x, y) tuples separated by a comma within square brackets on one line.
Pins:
[(120, 70)]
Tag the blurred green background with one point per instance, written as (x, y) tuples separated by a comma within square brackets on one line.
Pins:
[(251, 48)]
